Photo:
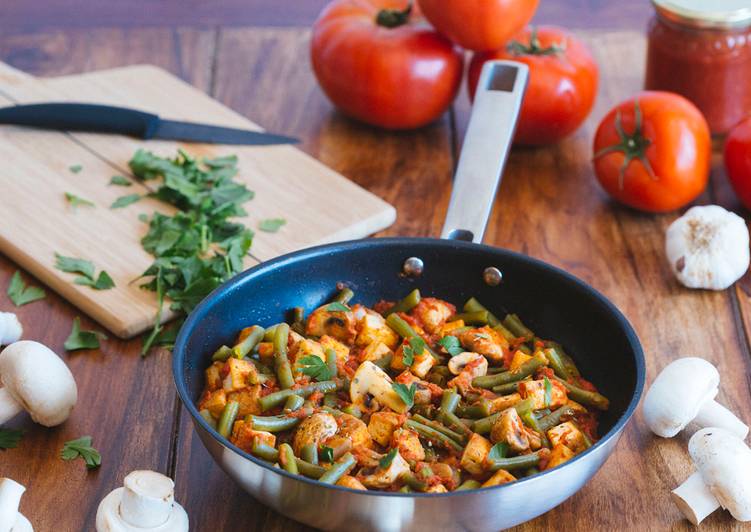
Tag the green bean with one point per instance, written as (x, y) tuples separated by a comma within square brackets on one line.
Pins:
[(585, 397), (556, 362), (523, 461), (449, 401), (281, 362), (506, 389), (331, 362), (432, 434), (409, 302), (268, 336), (517, 328), (338, 469), (476, 410), (494, 371), (531, 471), (555, 418), (352, 410), (287, 459), (470, 484), (568, 362), (249, 342), (208, 418), (453, 421), (458, 438), (229, 414), (405, 330), (272, 423), (526, 369), (309, 453), (344, 296), (530, 420), (268, 402), (330, 400), (484, 425), (268, 453), (436, 379), (428, 411), (412, 482), (384, 361), (508, 335), (293, 402), (222, 354), (442, 370), (472, 305), (474, 318)]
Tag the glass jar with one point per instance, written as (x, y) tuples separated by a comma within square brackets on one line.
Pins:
[(701, 49)]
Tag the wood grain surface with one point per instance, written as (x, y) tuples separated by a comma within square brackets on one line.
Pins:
[(325, 208), (549, 206)]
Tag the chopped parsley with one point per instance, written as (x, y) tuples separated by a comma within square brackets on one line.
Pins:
[(498, 451), (327, 454), (315, 368), (75, 168), (548, 391), (20, 294), (124, 201), (86, 270), (77, 201), (451, 344), (81, 448), (405, 393), (120, 181), (81, 339), (271, 225), (416, 346)]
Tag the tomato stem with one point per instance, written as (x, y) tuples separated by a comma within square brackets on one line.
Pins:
[(393, 18), (535, 47), (633, 146)]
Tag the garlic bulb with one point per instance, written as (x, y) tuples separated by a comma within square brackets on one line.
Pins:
[(708, 247)]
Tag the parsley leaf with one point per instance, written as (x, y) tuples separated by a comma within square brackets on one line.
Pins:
[(315, 367), (385, 462), (327, 454), (120, 181), (406, 394), (271, 225), (9, 438), (21, 294), (336, 307), (416, 347), (498, 451), (76, 201), (81, 448), (79, 339), (103, 282), (548, 391), (86, 269), (124, 201), (75, 168), (452, 345)]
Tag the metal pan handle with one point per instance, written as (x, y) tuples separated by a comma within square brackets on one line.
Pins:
[(486, 145)]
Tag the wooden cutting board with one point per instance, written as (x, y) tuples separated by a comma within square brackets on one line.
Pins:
[(319, 204)]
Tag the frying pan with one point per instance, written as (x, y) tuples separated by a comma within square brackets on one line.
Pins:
[(553, 303)]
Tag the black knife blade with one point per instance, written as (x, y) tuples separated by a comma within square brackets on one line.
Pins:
[(122, 120)]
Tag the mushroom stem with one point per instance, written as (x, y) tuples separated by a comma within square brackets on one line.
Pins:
[(713, 414), (9, 407), (10, 498), (694, 499), (148, 499)]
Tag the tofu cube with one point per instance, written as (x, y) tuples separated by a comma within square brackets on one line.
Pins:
[(244, 436), (509, 428), (499, 477), (342, 351), (408, 443), (374, 351), (237, 374), (536, 390), (422, 363), (559, 455), (569, 435), (475, 454), (248, 399), (382, 426), (372, 328), (349, 481), (213, 377), (505, 401), (519, 358), (214, 402)]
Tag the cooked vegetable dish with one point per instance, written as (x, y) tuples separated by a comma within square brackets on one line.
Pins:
[(408, 396)]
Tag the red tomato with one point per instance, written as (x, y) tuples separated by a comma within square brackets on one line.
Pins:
[(380, 62), (738, 160), (657, 158), (479, 25), (562, 82)]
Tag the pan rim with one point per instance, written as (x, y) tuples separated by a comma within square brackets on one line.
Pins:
[(179, 353)]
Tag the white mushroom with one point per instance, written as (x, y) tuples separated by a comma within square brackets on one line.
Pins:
[(723, 462), (35, 379), (383, 478), (10, 328), (145, 503), (683, 392), (11, 520), (370, 379), (708, 247), (457, 363)]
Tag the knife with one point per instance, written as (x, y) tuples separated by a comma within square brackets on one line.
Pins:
[(121, 120)]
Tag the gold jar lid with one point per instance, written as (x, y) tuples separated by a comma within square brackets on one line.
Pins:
[(709, 14)]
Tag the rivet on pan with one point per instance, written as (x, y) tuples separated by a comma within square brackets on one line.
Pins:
[(413, 267), (492, 276)]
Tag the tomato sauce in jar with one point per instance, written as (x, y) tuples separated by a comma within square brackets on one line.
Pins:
[(701, 49)]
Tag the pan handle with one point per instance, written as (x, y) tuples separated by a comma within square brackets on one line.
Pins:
[(486, 145)]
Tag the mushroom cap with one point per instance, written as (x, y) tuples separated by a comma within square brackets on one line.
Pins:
[(677, 394), (724, 462), (39, 380)]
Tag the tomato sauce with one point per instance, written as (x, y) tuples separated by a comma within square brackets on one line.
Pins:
[(703, 55)]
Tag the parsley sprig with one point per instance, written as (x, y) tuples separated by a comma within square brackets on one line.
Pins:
[(405, 393), (81, 448), (10, 438), (415, 346), (451, 344), (81, 339), (86, 270), (20, 294), (315, 368)]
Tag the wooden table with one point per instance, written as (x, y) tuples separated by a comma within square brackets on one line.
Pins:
[(548, 207)]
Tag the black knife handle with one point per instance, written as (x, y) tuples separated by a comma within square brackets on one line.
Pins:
[(82, 117)]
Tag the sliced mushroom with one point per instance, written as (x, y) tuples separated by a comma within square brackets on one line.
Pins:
[(723, 462), (11, 520), (10, 328), (457, 363), (683, 392), (369, 379), (313, 430), (146, 502), (35, 379)]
